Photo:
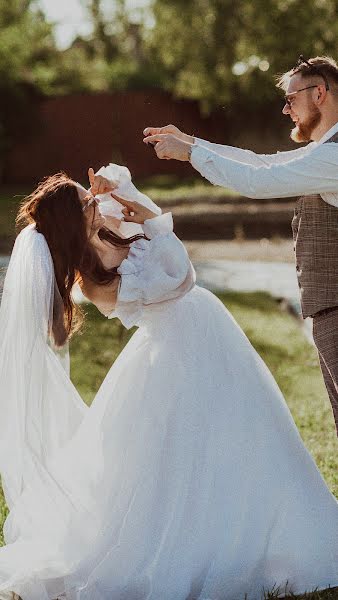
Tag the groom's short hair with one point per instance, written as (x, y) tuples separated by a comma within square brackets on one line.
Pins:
[(322, 66)]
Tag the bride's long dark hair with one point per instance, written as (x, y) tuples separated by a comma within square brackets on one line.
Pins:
[(55, 207)]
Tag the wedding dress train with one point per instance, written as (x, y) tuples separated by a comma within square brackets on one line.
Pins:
[(186, 478)]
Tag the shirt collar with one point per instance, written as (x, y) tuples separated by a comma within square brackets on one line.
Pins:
[(328, 134)]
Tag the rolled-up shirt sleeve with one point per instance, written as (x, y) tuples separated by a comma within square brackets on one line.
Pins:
[(314, 172)]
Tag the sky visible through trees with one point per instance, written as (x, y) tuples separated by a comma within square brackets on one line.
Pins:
[(221, 53), (70, 17)]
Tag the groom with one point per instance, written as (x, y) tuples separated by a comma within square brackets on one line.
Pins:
[(310, 172)]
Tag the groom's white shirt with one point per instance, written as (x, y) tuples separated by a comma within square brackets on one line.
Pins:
[(307, 170)]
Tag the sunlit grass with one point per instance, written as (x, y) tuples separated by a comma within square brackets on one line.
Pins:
[(10, 198), (172, 190)]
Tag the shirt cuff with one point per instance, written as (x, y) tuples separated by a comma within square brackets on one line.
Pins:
[(200, 155), (200, 142), (160, 225)]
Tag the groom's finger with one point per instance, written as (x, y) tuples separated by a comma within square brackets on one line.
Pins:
[(153, 139), (152, 131)]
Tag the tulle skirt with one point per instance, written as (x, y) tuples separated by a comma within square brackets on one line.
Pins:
[(187, 479)]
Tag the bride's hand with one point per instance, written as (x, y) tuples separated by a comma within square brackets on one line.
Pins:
[(133, 212), (100, 184)]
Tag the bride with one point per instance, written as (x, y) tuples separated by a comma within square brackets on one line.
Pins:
[(186, 478)]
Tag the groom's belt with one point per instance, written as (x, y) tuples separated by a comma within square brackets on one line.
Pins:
[(315, 234)]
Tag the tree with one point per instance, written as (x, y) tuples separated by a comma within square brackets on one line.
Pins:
[(117, 41), (218, 50), (27, 49)]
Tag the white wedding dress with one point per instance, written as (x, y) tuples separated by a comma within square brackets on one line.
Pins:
[(185, 479)]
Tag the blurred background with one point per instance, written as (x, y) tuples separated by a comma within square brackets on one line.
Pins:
[(80, 79)]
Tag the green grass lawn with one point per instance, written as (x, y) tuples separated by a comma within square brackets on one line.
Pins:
[(10, 198), (171, 190), (279, 340)]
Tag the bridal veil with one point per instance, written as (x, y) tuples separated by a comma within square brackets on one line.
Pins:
[(39, 407)]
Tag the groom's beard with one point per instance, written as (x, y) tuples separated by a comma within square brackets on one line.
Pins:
[(302, 132)]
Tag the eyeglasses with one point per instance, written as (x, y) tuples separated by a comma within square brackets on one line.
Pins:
[(90, 201), (315, 70), (287, 99)]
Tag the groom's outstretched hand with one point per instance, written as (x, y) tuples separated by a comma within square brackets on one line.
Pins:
[(169, 129), (168, 146)]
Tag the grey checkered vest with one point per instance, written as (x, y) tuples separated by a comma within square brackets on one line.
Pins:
[(315, 234)]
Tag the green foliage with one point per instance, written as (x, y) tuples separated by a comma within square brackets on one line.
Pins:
[(26, 42), (193, 48), (222, 53), (219, 52), (116, 56), (10, 199), (188, 38), (26, 52), (202, 44)]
